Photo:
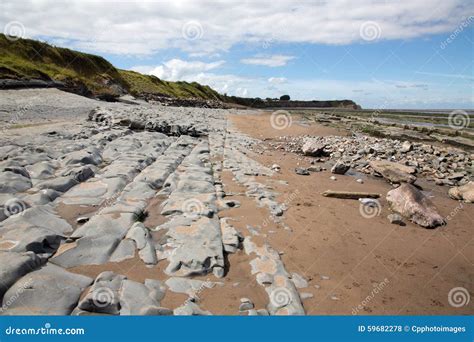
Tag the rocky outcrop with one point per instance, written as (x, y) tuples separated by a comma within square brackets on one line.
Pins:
[(411, 203)]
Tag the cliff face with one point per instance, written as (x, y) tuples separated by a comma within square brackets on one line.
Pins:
[(27, 63)]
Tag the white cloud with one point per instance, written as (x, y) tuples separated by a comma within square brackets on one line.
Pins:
[(177, 69), (145, 27), (268, 60), (277, 80)]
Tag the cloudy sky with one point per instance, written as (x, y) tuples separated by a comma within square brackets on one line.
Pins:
[(382, 54)]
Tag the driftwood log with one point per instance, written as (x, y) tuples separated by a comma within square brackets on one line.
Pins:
[(350, 194)]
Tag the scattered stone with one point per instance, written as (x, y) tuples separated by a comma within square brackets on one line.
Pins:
[(302, 171), (82, 219), (306, 295), (463, 193), (313, 148), (394, 172), (299, 281), (406, 147), (340, 168), (245, 304), (396, 219), (276, 167), (360, 180), (315, 169), (333, 178)]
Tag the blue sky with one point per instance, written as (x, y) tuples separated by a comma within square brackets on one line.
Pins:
[(382, 54)]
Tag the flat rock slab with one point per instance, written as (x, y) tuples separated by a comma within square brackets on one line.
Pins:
[(15, 265), (394, 172), (50, 290), (114, 294)]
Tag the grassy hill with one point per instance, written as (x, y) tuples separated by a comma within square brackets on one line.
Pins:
[(90, 75), (86, 74)]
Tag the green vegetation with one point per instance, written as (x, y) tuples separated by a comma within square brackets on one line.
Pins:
[(86, 74), (139, 84)]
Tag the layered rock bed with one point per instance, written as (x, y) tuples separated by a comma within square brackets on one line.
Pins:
[(80, 196)]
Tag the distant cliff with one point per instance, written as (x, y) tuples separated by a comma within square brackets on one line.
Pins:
[(275, 103)]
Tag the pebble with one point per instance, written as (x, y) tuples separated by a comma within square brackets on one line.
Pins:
[(333, 178), (246, 306), (82, 219), (301, 171)]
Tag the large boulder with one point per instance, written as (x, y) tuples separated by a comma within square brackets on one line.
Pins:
[(50, 290), (313, 148), (411, 203), (394, 172), (464, 192)]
